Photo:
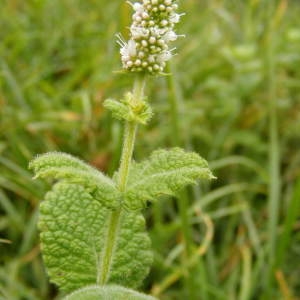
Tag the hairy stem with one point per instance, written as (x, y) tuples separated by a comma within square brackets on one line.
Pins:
[(109, 246), (115, 216), (127, 151)]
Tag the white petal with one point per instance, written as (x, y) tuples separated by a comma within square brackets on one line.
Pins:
[(138, 7), (170, 36), (175, 18), (131, 48), (124, 51), (138, 32), (165, 56)]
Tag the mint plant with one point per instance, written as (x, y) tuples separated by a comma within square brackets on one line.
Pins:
[(93, 237)]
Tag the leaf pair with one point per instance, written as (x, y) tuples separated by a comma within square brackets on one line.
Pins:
[(76, 214), (165, 173)]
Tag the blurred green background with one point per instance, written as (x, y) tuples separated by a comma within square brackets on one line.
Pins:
[(234, 97)]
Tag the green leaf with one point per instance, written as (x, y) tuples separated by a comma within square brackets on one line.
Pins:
[(109, 292), (63, 166), (165, 173), (74, 236)]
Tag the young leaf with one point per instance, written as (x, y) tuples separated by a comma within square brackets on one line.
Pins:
[(129, 109), (166, 172), (108, 292), (74, 235), (71, 169)]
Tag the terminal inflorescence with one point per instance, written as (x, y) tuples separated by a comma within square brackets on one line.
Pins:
[(151, 31)]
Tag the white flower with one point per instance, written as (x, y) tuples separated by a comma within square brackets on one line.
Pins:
[(138, 7), (138, 32), (165, 56), (170, 36), (129, 49), (175, 18)]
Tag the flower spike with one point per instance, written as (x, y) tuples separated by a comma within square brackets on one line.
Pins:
[(152, 29)]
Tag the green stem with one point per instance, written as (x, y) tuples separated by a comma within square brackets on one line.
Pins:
[(109, 246), (127, 151), (115, 216)]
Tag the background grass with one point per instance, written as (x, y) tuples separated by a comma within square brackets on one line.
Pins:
[(234, 97)]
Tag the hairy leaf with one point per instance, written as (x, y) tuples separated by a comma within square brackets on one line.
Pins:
[(108, 292), (166, 172), (74, 235), (63, 166)]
